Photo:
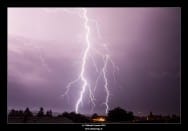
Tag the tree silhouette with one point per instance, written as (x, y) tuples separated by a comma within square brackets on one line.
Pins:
[(75, 117), (130, 116), (65, 114), (14, 113), (118, 114), (94, 115), (49, 113), (27, 114), (41, 112)]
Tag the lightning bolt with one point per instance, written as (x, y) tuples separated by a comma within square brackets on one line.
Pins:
[(104, 70), (84, 80), (88, 53)]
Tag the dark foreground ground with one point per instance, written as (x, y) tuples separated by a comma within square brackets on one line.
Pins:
[(67, 120)]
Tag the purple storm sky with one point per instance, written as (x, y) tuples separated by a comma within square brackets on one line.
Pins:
[(45, 47)]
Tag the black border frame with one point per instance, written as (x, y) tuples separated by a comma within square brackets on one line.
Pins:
[(79, 3)]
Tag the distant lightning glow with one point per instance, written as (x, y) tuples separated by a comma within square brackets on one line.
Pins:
[(88, 54), (42, 59), (39, 53)]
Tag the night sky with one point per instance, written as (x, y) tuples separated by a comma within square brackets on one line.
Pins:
[(45, 49)]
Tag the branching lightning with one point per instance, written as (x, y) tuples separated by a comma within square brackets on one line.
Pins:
[(88, 54)]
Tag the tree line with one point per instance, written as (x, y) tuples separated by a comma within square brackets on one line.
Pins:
[(115, 115)]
